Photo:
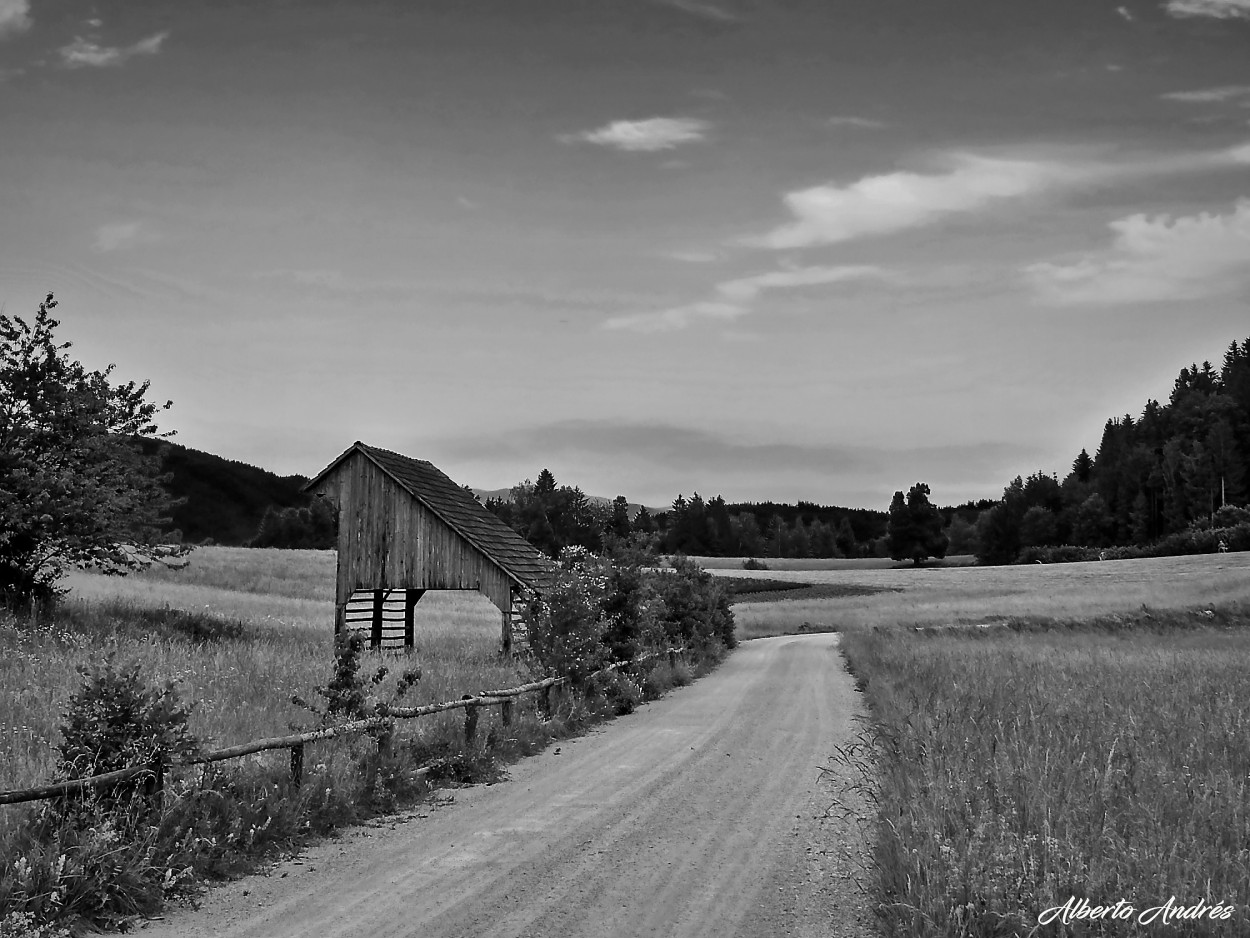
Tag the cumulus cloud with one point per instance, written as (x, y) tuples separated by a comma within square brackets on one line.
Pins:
[(645, 136), (84, 53), (1219, 9), (1211, 95), (876, 205), (1155, 259), (733, 298), (14, 17), (122, 235)]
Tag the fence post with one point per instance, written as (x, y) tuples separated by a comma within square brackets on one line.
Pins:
[(297, 764), (470, 721), (672, 658), (505, 712), (544, 702)]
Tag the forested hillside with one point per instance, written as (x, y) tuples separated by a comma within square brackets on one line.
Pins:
[(1178, 469), (221, 500)]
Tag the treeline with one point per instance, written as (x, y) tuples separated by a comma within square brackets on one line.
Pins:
[(552, 517), (1168, 481)]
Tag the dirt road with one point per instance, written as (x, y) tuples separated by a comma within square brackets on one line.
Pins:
[(701, 814)]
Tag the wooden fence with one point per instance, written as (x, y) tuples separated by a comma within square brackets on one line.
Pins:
[(382, 727)]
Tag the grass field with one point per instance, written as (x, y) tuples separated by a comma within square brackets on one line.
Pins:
[(1018, 769), (941, 596)]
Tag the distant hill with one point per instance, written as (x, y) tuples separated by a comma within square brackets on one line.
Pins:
[(224, 499)]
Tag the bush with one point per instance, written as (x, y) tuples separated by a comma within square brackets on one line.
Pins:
[(116, 721), (696, 606), (752, 564)]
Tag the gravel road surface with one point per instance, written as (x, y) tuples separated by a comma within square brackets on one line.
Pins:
[(701, 814)]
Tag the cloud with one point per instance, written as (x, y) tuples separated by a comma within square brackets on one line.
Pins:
[(83, 53), (608, 455), (876, 205), (851, 120), (733, 298), (898, 201), (644, 136), (707, 11), (1155, 259), (123, 235), (1126, 13), (14, 17), (1219, 9), (1211, 95)]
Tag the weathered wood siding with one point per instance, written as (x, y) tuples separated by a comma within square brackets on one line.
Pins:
[(389, 540)]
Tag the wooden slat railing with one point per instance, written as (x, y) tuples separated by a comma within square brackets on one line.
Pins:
[(382, 725)]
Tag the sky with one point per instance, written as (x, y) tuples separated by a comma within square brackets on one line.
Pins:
[(768, 249)]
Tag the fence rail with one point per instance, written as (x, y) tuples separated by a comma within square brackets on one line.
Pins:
[(382, 726)]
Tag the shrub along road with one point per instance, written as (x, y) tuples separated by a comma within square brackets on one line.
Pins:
[(703, 813)]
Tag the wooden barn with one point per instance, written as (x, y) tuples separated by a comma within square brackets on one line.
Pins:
[(404, 528)]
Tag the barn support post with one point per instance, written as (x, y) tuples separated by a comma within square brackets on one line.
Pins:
[(375, 634), (411, 598), (505, 645)]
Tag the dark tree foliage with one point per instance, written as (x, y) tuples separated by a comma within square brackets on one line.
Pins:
[(313, 527), (74, 487), (915, 527), (553, 517), (1153, 477)]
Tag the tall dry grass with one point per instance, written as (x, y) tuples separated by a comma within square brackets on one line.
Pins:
[(1019, 769)]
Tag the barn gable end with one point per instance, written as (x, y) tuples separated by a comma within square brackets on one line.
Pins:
[(404, 525)]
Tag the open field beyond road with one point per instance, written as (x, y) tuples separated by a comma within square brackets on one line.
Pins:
[(701, 814), (940, 596)]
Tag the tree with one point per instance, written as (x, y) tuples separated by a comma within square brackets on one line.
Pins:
[(915, 527), (74, 489)]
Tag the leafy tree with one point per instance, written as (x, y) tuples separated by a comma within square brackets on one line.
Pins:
[(74, 488), (1038, 527), (915, 527)]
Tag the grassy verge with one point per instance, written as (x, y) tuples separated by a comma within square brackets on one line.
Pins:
[(1021, 766)]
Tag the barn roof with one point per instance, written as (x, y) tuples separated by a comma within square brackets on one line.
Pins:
[(459, 509)]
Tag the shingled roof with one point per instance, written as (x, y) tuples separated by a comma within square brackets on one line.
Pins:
[(460, 510)]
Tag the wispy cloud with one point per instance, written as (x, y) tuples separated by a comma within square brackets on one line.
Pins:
[(899, 201), (14, 17), (707, 11), (644, 136), (1126, 13), (1211, 95), (1219, 9), (85, 53), (123, 235), (876, 205), (733, 299), (850, 120), (1154, 259)]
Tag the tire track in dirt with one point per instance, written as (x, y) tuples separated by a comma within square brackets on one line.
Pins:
[(701, 814)]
